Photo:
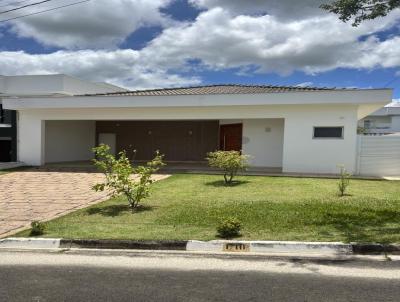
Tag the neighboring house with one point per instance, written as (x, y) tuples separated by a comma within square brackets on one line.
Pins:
[(293, 129), (386, 120), (37, 86)]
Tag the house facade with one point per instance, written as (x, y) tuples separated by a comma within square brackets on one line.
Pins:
[(384, 121), (31, 86), (291, 129)]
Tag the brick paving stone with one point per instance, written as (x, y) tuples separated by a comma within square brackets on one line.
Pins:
[(44, 194)]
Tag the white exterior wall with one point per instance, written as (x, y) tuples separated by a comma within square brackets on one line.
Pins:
[(263, 141), (303, 154), (31, 85), (31, 138), (69, 140), (300, 152)]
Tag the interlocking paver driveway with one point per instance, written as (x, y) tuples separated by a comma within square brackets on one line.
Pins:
[(42, 195)]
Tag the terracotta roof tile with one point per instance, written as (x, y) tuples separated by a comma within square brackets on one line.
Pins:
[(214, 89)]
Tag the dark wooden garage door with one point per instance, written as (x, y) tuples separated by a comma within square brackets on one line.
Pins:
[(178, 140)]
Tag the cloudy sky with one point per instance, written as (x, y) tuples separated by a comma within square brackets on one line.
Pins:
[(163, 43)]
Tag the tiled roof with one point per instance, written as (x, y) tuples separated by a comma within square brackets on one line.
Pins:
[(214, 89)]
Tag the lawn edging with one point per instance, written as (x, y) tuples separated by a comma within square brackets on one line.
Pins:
[(238, 246)]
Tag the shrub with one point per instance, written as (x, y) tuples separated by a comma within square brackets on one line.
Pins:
[(344, 180), (231, 162), (229, 227), (119, 172), (37, 228)]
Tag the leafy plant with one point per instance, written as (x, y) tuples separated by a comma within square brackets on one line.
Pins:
[(122, 178), (231, 162), (37, 228), (229, 227), (361, 10), (344, 180)]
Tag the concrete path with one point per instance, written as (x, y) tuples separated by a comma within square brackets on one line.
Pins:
[(114, 277), (43, 195)]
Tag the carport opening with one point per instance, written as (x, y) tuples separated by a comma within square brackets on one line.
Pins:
[(181, 141)]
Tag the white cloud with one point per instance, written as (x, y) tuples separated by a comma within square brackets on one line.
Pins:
[(312, 45), (285, 9), (98, 23), (120, 67), (221, 37), (305, 84)]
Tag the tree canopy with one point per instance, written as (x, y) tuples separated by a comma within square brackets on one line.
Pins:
[(361, 10)]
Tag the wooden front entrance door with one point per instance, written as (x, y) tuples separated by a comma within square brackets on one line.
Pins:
[(231, 137)]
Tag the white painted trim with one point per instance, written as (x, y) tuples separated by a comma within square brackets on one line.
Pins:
[(288, 98)]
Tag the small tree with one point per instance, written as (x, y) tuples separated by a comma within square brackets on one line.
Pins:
[(231, 162), (119, 172), (361, 10), (344, 180)]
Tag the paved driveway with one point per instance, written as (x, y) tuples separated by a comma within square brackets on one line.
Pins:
[(42, 195)]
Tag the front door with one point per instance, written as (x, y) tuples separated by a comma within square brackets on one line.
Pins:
[(230, 138)]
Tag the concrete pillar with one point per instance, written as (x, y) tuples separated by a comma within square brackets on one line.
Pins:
[(31, 139)]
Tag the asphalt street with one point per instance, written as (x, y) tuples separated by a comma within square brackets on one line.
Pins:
[(75, 277)]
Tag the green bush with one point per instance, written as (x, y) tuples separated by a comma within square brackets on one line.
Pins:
[(344, 180), (119, 172), (231, 162), (229, 227), (37, 228)]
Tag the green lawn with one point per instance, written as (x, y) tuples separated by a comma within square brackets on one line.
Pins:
[(270, 208)]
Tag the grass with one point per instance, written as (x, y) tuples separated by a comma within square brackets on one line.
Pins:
[(270, 208)]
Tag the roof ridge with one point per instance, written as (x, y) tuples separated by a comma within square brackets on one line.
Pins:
[(215, 89), (219, 85)]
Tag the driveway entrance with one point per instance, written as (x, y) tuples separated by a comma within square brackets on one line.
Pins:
[(44, 194)]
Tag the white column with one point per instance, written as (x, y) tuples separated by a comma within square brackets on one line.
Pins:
[(31, 138)]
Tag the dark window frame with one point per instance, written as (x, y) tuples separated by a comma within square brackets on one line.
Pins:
[(328, 137)]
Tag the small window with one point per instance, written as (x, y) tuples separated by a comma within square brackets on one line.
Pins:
[(367, 124), (328, 132)]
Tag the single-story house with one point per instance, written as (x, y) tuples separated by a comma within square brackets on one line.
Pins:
[(293, 129), (384, 121)]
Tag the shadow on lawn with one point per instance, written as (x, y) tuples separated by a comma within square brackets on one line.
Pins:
[(116, 210), (366, 225), (221, 183)]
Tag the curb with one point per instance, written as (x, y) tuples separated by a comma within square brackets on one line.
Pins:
[(375, 249), (123, 244), (335, 248), (30, 243), (213, 246)]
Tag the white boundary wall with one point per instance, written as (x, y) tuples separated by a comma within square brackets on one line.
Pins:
[(379, 155)]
